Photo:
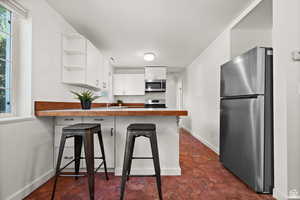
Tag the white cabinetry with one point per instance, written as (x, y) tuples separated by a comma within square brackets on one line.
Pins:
[(129, 84), (83, 63), (73, 59), (108, 134), (155, 73), (94, 63)]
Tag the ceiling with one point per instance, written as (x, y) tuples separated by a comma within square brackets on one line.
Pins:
[(176, 31), (261, 17)]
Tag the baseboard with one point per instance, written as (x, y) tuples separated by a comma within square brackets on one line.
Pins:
[(148, 171), (278, 195), (203, 141), (25, 191)]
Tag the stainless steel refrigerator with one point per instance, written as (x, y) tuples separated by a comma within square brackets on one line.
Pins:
[(246, 118)]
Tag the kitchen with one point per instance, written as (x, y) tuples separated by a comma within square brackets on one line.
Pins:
[(57, 46)]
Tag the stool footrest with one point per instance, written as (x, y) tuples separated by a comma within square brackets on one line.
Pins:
[(65, 166), (142, 158), (99, 166), (142, 175), (94, 158), (71, 175)]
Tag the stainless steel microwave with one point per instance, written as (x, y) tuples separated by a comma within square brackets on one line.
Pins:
[(155, 86)]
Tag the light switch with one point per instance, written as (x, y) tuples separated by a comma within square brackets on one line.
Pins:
[(296, 55)]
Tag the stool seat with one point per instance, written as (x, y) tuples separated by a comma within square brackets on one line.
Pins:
[(82, 127), (141, 127)]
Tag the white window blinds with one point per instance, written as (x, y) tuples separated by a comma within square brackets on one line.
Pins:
[(15, 7)]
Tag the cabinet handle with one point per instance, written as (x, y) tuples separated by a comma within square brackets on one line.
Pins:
[(111, 131), (69, 119), (68, 157), (98, 120)]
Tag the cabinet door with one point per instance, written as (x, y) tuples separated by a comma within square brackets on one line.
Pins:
[(129, 84), (94, 63), (107, 127), (135, 84), (118, 84), (57, 138), (105, 73), (68, 156), (155, 73)]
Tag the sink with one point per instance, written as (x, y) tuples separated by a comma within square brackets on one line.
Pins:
[(117, 107)]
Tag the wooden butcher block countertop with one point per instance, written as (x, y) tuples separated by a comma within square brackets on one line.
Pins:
[(127, 110)]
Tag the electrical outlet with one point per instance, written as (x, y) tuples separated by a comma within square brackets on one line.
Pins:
[(296, 55), (293, 193)]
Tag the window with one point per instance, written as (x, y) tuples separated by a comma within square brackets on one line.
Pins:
[(5, 61)]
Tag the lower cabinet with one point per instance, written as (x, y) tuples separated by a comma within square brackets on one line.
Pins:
[(68, 156), (108, 135)]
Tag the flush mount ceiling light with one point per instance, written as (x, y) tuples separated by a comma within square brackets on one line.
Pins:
[(149, 57)]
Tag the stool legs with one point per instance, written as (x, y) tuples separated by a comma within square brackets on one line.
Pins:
[(129, 141), (154, 148), (77, 153), (128, 156), (88, 141), (131, 155), (60, 154), (102, 152)]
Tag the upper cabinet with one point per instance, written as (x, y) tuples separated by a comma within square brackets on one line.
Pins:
[(155, 73), (82, 63), (129, 84), (94, 65)]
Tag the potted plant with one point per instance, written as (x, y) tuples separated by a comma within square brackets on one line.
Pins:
[(119, 103), (86, 98)]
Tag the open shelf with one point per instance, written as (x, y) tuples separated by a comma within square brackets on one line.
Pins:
[(72, 36), (74, 67), (74, 52)]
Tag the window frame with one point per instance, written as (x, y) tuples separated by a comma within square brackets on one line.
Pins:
[(10, 75)]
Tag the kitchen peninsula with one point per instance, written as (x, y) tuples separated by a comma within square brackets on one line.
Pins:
[(114, 122)]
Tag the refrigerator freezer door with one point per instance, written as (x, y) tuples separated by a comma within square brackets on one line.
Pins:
[(244, 75), (242, 139)]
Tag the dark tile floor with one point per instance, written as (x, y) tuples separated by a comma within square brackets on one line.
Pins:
[(203, 178)]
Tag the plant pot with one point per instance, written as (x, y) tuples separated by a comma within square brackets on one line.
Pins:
[(86, 105)]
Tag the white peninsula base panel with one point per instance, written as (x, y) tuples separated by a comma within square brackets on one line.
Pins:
[(168, 145), (114, 135)]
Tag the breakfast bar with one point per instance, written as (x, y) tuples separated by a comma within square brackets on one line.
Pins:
[(114, 121)]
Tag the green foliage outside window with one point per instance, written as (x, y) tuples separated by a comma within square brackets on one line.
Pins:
[(5, 59)]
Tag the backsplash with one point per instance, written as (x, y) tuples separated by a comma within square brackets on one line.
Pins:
[(131, 99)]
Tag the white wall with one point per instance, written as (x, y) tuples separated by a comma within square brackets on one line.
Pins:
[(286, 38), (243, 40), (201, 91), (26, 156), (26, 147), (171, 94), (201, 86)]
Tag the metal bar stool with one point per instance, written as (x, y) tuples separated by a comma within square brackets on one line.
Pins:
[(134, 131), (82, 133)]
